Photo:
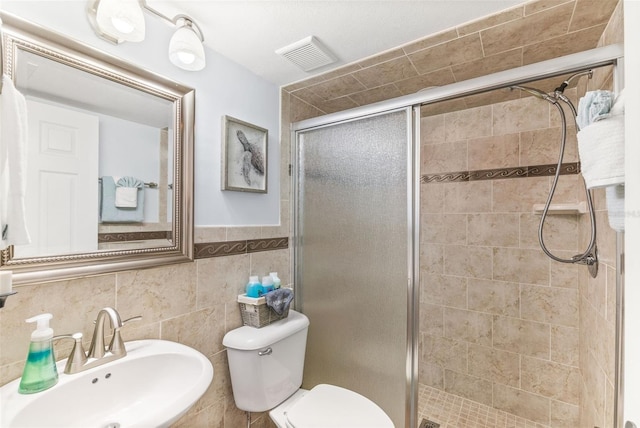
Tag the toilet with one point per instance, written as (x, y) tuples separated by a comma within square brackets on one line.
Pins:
[(266, 368)]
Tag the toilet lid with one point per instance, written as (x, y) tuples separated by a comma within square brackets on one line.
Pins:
[(331, 406)]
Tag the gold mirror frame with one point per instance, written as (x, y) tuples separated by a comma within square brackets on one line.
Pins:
[(23, 35)]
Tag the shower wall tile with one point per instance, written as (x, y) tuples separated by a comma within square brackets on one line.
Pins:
[(560, 232), (493, 152), (467, 197), (432, 198), (431, 129), (374, 95), (564, 345), (564, 274), (473, 262), (492, 20), (488, 65), (466, 386), (377, 75), (445, 157), (549, 379), (530, 191), (412, 85), (470, 123), (494, 297), (520, 265), (530, 29), (432, 258), (445, 228), (445, 290), (562, 45), (542, 146), (557, 306), (586, 16), (495, 230), (494, 365), (565, 415), (524, 337), (463, 49), (525, 404), (521, 115), (468, 326), (448, 353), (431, 374), (431, 319)]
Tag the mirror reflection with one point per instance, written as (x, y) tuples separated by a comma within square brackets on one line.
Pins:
[(99, 157), (108, 159)]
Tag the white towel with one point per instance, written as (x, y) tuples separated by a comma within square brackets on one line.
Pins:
[(13, 165), (126, 197), (601, 148), (127, 192), (615, 206)]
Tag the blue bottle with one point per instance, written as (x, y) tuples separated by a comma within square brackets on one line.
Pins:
[(254, 288), (267, 284)]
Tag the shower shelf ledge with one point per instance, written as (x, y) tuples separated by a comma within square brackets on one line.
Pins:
[(572, 208)]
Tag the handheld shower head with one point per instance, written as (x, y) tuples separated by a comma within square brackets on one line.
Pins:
[(535, 92)]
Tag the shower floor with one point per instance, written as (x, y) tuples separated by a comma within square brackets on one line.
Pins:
[(452, 411)]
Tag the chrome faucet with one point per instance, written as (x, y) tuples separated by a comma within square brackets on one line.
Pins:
[(98, 354)]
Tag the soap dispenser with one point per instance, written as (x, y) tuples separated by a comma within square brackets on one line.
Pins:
[(40, 370)]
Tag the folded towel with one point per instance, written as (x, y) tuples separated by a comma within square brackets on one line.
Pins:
[(109, 213), (13, 165), (127, 192), (615, 206), (601, 148), (279, 300), (594, 106)]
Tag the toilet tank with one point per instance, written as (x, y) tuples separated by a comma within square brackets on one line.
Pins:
[(266, 363)]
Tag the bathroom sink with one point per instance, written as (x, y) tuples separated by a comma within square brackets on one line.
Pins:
[(153, 386)]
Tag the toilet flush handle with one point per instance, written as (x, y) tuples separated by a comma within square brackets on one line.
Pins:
[(267, 351)]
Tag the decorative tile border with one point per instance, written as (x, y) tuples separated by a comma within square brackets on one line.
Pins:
[(232, 248), (497, 174), (133, 236)]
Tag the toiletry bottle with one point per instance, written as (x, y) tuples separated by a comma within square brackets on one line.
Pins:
[(276, 281), (40, 370), (254, 288), (267, 284)]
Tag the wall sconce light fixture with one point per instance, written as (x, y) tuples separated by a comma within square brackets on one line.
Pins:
[(123, 21)]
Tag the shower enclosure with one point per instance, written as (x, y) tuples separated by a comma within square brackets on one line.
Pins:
[(422, 275)]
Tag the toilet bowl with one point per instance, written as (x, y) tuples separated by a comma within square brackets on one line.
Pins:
[(266, 368), (329, 406)]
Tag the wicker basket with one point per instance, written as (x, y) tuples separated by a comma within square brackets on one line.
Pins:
[(256, 313)]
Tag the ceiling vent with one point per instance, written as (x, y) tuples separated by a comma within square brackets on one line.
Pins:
[(308, 54)]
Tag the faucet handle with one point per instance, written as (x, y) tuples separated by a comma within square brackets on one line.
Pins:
[(77, 357), (117, 345)]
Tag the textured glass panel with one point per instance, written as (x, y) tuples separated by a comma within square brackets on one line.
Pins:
[(353, 232)]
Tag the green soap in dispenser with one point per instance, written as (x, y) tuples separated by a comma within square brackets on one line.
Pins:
[(40, 370)]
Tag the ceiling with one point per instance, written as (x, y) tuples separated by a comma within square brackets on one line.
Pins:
[(249, 32)]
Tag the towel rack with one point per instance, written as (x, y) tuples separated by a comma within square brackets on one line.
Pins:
[(150, 185)]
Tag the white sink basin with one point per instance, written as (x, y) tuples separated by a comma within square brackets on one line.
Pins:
[(153, 386)]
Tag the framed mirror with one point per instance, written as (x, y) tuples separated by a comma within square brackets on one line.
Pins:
[(109, 160)]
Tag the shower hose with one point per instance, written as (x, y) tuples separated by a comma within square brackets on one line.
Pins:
[(590, 256)]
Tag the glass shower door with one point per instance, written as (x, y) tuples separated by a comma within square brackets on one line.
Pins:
[(354, 267)]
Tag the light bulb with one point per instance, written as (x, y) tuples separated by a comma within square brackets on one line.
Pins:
[(186, 57), (122, 25)]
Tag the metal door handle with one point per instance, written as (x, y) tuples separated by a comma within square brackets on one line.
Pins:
[(267, 351)]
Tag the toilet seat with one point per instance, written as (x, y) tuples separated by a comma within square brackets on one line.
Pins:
[(332, 406)]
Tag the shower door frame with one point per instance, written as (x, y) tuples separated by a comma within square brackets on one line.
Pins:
[(611, 55), (413, 241)]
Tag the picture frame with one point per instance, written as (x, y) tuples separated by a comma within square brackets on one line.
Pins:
[(244, 156)]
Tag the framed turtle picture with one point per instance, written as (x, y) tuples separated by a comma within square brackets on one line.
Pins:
[(244, 156)]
